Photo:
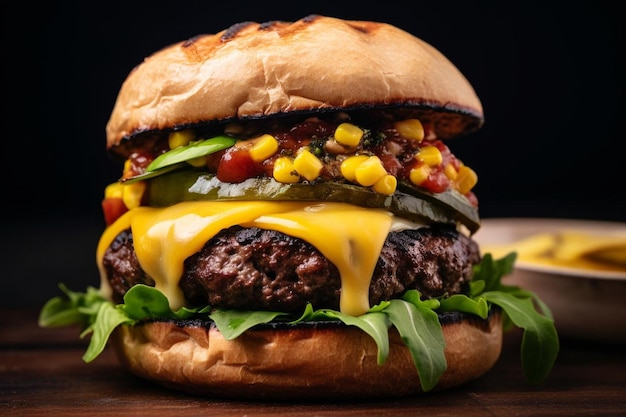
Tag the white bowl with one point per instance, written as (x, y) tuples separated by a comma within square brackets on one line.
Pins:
[(586, 303)]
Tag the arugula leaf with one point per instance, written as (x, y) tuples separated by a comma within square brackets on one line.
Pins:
[(107, 319), (142, 301), (540, 341), (460, 302), (374, 324), (491, 271), (421, 332), (232, 323), (71, 309)]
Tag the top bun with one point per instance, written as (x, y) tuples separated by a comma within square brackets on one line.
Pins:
[(254, 70)]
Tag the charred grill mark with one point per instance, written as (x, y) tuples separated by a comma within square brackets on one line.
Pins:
[(191, 41), (361, 29), (232, 31), (269, 25), (310, 18)]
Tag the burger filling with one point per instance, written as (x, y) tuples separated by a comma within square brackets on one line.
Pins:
[(374, 151), (363, 219), (252, 268)]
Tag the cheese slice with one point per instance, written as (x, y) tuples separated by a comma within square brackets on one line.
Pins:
[(351, 237)]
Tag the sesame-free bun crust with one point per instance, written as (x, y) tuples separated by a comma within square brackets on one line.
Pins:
[(254, 70), (299, 364)]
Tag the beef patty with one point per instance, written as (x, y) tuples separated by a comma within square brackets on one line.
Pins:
[(256, 269)]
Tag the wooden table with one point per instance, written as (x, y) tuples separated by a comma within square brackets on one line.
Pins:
[(42, 374)]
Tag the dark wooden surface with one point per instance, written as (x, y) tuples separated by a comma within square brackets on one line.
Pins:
[(42, 374)]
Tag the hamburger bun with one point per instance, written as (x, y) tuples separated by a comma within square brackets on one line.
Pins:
[(339, 65), (303, 364)]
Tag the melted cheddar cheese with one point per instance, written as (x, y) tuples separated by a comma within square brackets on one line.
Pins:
[(351, 237)]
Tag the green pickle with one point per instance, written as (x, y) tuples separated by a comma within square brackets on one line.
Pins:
[(406, 202)]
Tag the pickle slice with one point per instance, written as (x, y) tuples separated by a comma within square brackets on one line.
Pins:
[(407, 202)]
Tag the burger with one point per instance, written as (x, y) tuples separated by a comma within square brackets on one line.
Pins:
[(290, 222)]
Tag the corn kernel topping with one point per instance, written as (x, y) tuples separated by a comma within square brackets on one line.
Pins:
[(430, 155), (133, 193), (386, 185), (466, 179), (284, 171), (450, 172), (420, 174), (410, 129), (369, 171), (349, 165), (180, 138), (308, 165), (113, 190), (348, 134), (264, 147)]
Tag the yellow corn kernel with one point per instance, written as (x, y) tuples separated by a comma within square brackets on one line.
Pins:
[(466, 179), (420, 174), (308, 165), (127, 168), (410, 129), (450, 172), (133, 193), (113, 190), (429, 155), (348, 166), (348, 134), (284, 170), (180, 138), (264, 147), (197, 162), (386, 185), (369, 171)]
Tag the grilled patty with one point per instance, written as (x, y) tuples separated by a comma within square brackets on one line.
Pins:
[(256, 269)]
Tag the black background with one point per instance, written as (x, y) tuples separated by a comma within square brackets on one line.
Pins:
[(551, 79)]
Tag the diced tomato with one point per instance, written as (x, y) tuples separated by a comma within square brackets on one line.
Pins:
[(236, 166), (138, 161), (390, 162), (113, 208), (437, 182), (472, 198)]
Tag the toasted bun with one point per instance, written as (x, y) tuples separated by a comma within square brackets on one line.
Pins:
[(304, 363), (254, 70)]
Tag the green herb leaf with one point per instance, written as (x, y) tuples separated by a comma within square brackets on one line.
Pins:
[(193, 150), (142, 301), (540, 341), (491, 271), (463, 303), (421, 332), (71, 309), (107, 319), (416, 320), (232, 323), (374, 324), (151, 174)]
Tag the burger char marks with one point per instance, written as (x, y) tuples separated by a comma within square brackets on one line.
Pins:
[(266, 270), (205, 43)]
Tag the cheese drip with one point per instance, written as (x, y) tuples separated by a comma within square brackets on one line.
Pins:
[(351, 237)]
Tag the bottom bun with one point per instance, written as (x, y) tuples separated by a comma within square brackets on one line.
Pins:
[(309, 362)]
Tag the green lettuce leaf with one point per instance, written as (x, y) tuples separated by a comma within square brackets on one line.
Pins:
[(375, 324), (108, 317), (233, 323), (540, 341), (421, 332), (416, 320)]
